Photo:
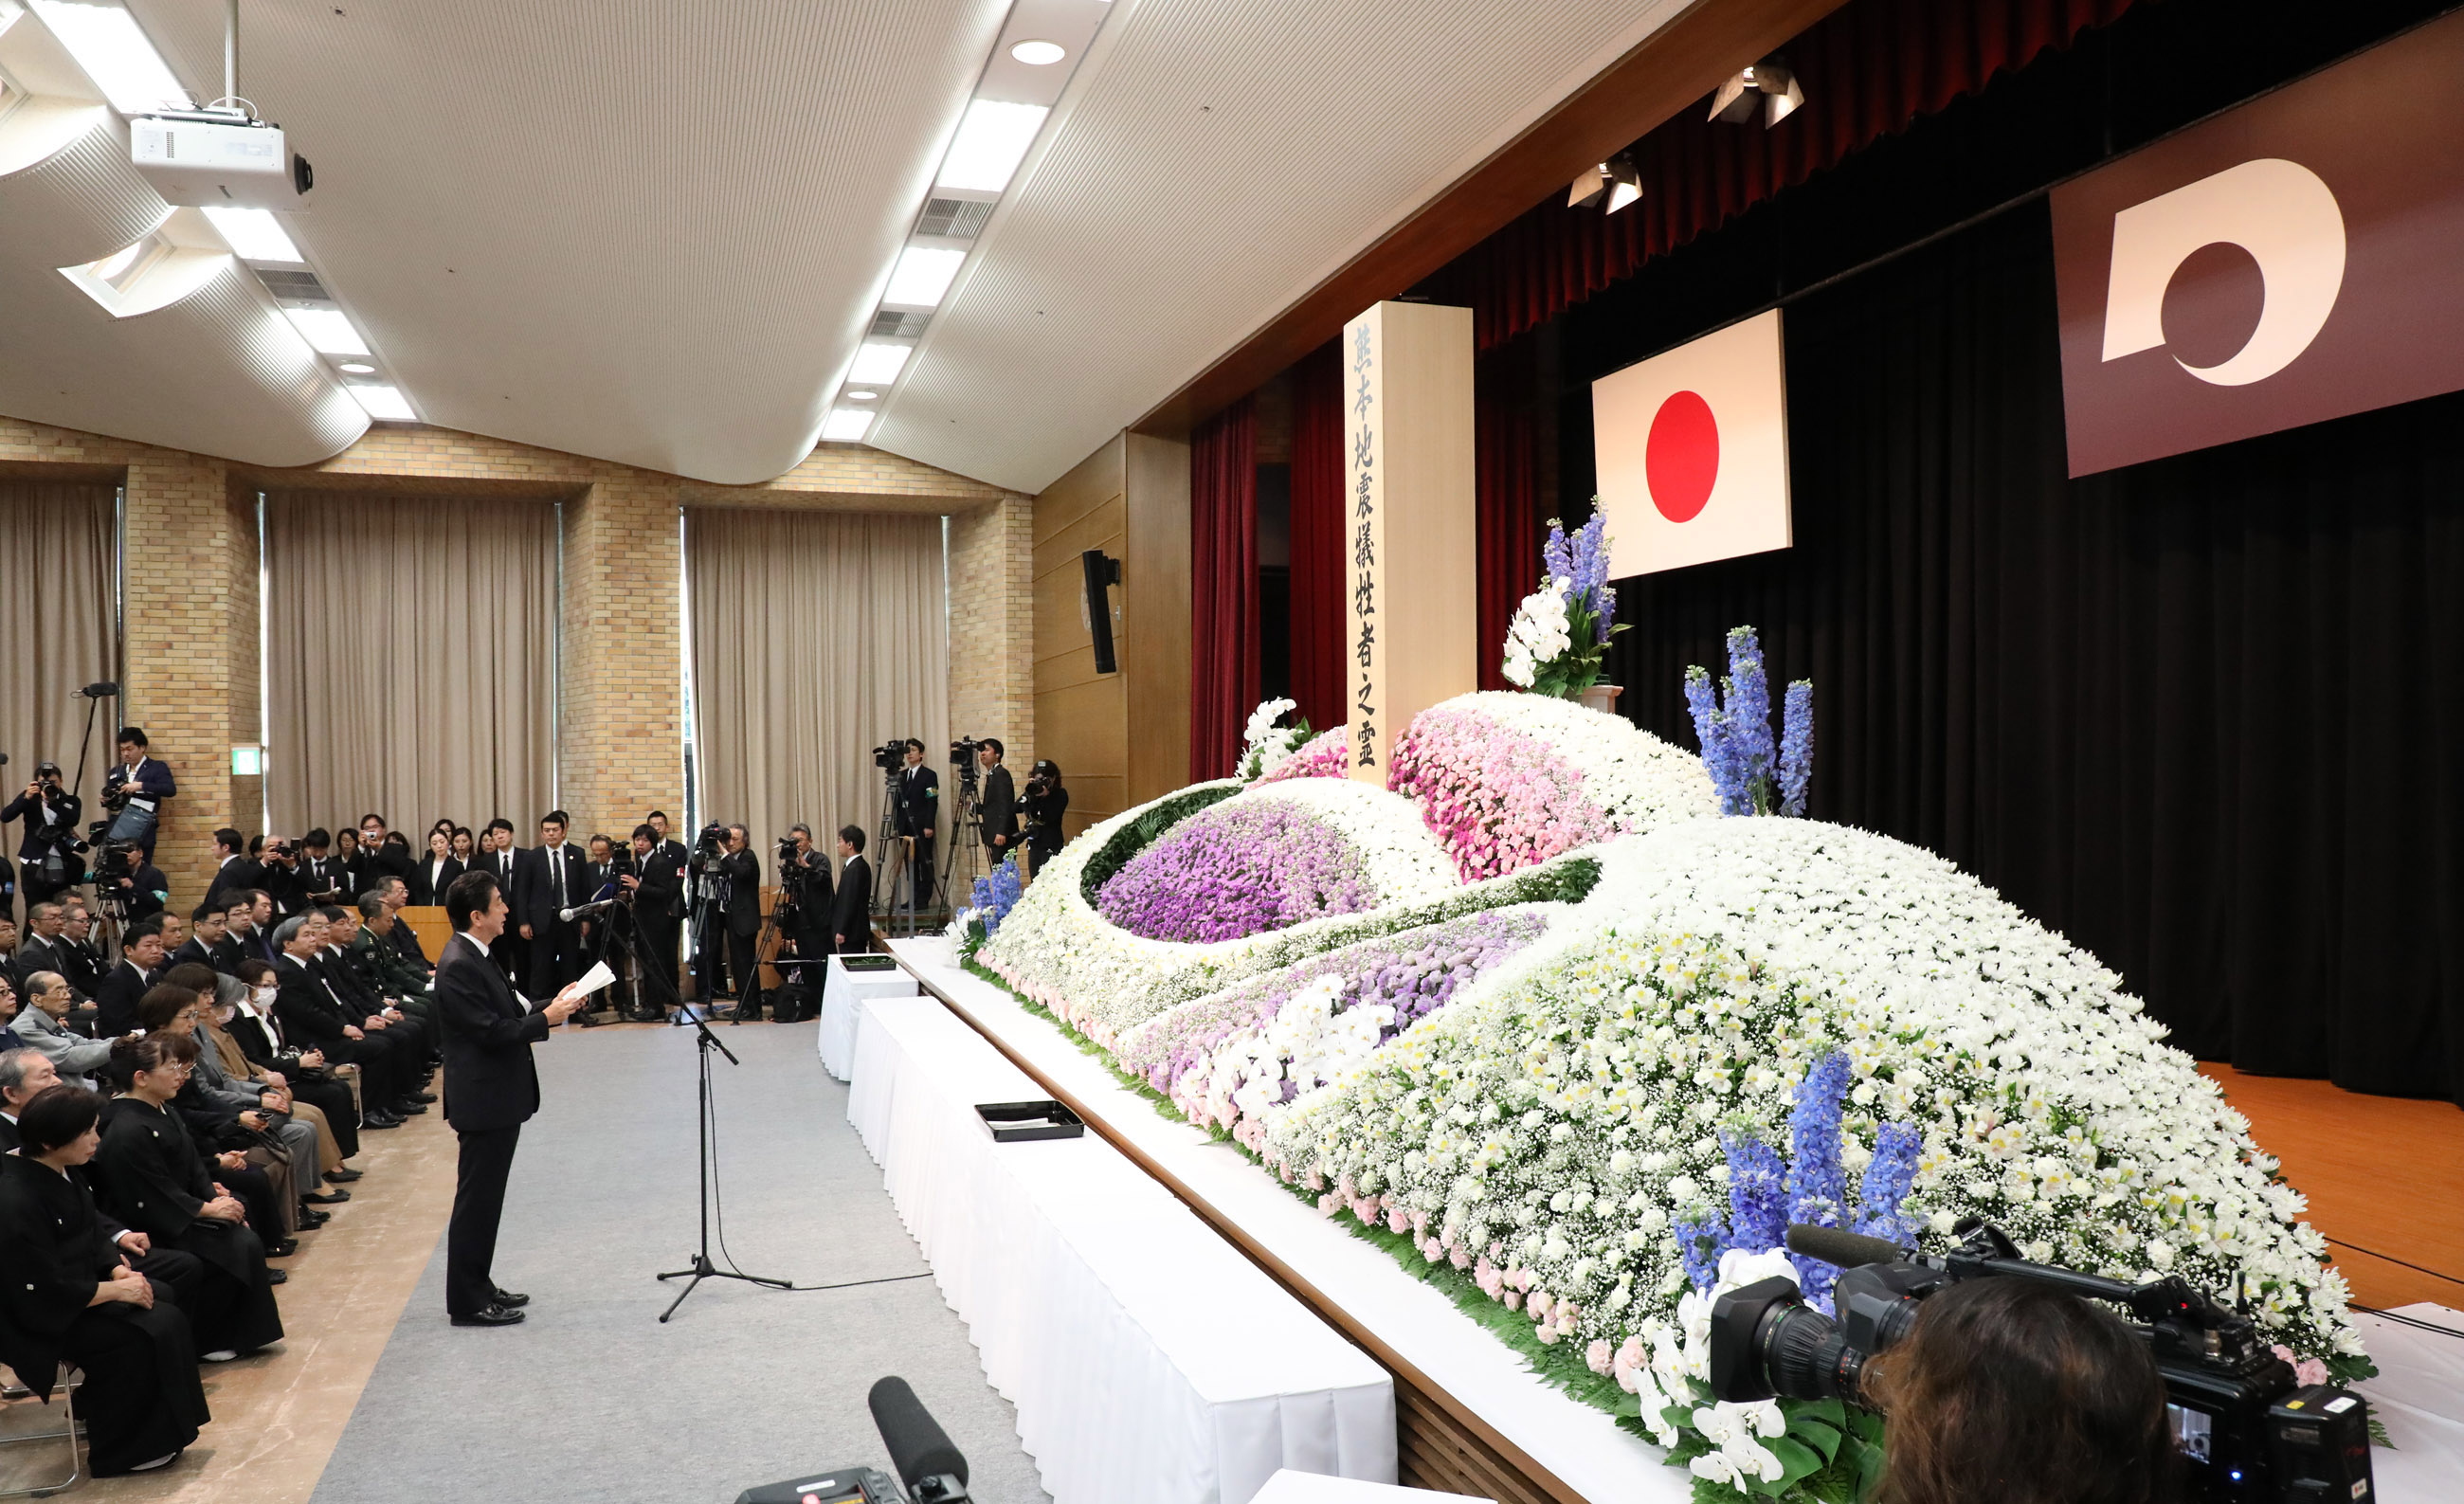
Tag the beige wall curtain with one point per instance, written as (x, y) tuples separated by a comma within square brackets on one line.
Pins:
[(815, 637), (410, 644), (56, 621)]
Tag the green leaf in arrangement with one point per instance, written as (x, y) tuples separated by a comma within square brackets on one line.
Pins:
[(1796, 1461), (1822, 1438)]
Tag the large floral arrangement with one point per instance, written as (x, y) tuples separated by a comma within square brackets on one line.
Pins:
[(1325, 755), (1733, 728), (1560, 634), (1267, 743), (1508, 780)]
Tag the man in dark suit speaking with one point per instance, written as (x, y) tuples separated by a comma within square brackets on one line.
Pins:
[(490, 1090)]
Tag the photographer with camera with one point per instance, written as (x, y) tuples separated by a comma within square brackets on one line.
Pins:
[(134, 791), (999, 801), (741, 866), (1046, 802), (46, 851), (275, 863), (915, 809)]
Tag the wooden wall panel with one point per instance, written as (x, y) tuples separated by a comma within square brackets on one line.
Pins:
[(1081, 716), (1155, 613)]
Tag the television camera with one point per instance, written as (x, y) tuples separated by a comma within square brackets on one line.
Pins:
[(931, 1468), (2245, 1427)]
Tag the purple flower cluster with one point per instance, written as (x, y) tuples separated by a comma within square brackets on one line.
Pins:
[(1237, 869), (1796, 747), (1583, 558), (1736, 736), (1764, 1197), (997, 894), (1416, 973)]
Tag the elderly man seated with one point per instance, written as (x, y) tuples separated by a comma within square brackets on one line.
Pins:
[(286, 1120), (37, 1026), (315, 1016)]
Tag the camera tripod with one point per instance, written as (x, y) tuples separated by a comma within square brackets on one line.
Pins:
[(958, 870)]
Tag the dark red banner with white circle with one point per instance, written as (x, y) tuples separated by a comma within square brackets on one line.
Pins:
[(1692, 450)]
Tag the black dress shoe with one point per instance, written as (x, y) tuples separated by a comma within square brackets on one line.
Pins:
[(408, 1109), (509, 1300), (282, 1249), (379, 1121), (423, 1097), (489, 1316), (331, 1197), (277, 1276), (346, 1173), (311, 1219)]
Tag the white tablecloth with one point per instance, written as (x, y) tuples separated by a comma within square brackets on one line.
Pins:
[(843, 995), (2419, 1396), (1310, 1488), (1148, 1358)]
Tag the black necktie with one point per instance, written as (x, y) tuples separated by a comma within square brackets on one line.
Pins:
[(555, 865)]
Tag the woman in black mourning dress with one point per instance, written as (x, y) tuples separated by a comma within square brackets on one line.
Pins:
[(69, 1298), (150, 1177)]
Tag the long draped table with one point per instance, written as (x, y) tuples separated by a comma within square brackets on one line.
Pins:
[(1147, 1360), (843, 995)]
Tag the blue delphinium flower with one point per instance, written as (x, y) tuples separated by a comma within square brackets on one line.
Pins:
[(1713, 731), (1701, 1240), (1796, 747), (1748, 713), (1556, 555), (1589, 560), (1817, 1186), (1884, 1188), (1757, 1193), (982, 895), (1006, 890)]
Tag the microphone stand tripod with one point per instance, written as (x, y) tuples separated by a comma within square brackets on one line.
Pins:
[(702, 1268)]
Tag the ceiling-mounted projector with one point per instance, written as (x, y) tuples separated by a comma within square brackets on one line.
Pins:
[(217, 158)]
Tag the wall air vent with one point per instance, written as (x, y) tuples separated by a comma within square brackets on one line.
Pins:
[(289, 286), (891, 324), (955, 218)]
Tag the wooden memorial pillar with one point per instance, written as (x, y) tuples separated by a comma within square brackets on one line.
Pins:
[(1410, 620)]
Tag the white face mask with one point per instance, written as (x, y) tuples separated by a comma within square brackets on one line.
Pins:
[(265, 994)]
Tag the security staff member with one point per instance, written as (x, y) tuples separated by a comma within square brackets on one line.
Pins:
[(656, 886), (914, 808), (1000, 805)]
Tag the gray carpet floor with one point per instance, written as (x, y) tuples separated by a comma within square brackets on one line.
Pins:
[(591, 1398)]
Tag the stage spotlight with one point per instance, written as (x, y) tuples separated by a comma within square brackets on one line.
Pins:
[(1769, 84), (1610, 185)]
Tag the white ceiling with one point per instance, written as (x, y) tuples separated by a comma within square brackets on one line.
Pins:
[(1213, 161), (653, 231), (636, 230)]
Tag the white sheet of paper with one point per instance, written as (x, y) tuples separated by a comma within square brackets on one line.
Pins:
[(597, 977)]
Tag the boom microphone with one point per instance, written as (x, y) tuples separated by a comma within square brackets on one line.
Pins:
[(1847, 1249), (568, 915), (931, 1468), (100, 689)]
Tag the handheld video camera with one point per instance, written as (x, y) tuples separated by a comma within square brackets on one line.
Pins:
[(2246, 1428), (933, 1470)]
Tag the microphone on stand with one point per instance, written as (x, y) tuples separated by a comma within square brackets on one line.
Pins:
[(584, 911)]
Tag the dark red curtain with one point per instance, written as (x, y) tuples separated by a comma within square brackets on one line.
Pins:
[(1222, 587), (1506, 491), (1867, 70), (1317, 537)]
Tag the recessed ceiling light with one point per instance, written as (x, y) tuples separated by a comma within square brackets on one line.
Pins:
[(387, 403), (991, 140), (921, 276), (328, 332), (255, 234), (847, 425), (108, 44), (1039, 54), (879, 363), (864, 396), (358, 368)]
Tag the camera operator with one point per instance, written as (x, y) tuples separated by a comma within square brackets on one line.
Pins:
[(2017, 1392), (999, 803), (136, 786), (142, 888), (741, 866), (815, 892), (657, 887), (277, 874), (1046, 802), (46, 849), (915, 808)]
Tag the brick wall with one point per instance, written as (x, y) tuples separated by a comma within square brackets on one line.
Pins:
[(992, 634), (189, 576)]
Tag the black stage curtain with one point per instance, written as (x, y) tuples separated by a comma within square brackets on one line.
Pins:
[(2203, 715)]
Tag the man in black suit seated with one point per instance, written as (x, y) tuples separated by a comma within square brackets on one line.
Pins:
[(395, 895), (209, 927), (42, 949), (490, 1090), (81, 960), (852, 911), (549, 878), (141, 961), (313, 1017)]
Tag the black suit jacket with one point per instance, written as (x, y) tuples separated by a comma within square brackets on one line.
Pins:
[(193, 949), (490, 1079), (915, 799), (115, 1003), (743, 871), (430, 892), (851, 909), (37, 954), (64, 808), (999, 807), (662, 894), (534, 896), (323, 874), (311, 1018)]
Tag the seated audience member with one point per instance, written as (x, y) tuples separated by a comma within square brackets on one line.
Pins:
[(8, 1000), (240, 940), (37, 1026), (70, 1297), (81, 960), (406, 944), (408, 1018), (381, 965), (150, 1176), (314, 1016), (255, 1168), (219, 998), (243, 1088), (207, 925), (24, 1075), (175, 933), (307, 1075), (40, 948), (8, 931), (2017, 1392), (140, 957)]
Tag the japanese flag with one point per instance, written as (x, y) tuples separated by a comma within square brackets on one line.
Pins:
[(1692, 451)]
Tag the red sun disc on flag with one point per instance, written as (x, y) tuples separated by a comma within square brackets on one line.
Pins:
[(1681, 458)]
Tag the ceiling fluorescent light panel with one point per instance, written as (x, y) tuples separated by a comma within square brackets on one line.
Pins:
[(922, 275), (992, 141), (879, 365), (847, 425), (327, 331), (255, 234), (108, 44), (386, 404)]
